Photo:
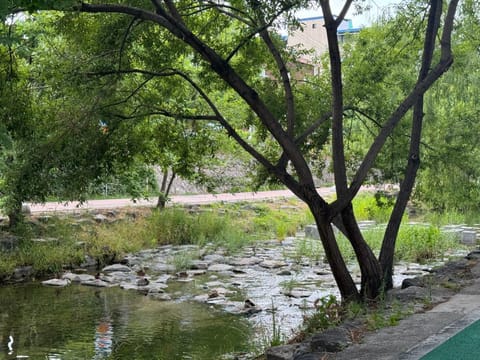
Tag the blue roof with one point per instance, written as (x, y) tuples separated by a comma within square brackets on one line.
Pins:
[(349, 31), (317, 18), (311, 18)]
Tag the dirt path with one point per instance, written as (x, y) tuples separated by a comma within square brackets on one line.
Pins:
[(175, 199)]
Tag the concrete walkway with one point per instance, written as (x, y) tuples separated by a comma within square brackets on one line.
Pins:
[(174, 199), (418, 334)]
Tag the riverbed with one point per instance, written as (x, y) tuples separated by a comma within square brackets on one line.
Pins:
[(173, 302)]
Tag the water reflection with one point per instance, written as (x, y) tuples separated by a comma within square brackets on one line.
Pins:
[(84, 323), (10, 345), (103, 339), (104, 330)]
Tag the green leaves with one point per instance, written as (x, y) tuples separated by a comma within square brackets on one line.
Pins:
[(8, 6)]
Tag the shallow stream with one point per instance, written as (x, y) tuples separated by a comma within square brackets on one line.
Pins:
[(198, 314), (79, 322)]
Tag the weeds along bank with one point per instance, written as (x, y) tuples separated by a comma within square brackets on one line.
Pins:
[(51, 244), (47, 245)]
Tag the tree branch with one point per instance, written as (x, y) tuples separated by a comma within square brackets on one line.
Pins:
[(446, 60), (287, 86), (132, 94), (338, 146), (124, 41), (173, 10), (158, 7), (224, 71), (343, 13), (169, 114), (278, 172)]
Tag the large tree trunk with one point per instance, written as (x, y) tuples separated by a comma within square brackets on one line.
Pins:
[(372, 275), (345, 283), (15, 215)]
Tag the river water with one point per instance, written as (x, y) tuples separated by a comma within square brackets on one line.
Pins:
[(79, 322)]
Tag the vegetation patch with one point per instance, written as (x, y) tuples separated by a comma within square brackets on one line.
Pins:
[(50, 244)]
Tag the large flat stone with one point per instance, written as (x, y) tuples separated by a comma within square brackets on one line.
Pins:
[(220, 267), (273, 264), (116, 267)]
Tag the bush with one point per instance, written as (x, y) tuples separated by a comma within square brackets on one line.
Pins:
[(420, 243), (328, 313), (376, 207)]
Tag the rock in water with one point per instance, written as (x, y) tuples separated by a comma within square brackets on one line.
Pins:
[(116, 267), (56, 282)]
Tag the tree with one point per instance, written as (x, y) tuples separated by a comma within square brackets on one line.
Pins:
[(55, 144), (450, 176), (219, 43)]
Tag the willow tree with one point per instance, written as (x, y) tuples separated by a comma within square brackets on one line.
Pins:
[(220, 42)]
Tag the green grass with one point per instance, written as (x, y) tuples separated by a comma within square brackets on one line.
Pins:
[(415, 243), (46, 247), (227, 226), (183, 260), (451, 217), (329, 312), (307, 249), (376, 207)]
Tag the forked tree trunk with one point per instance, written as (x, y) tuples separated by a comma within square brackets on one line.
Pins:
[(173, 22), (345, 283), (165, 189), (372, 275)]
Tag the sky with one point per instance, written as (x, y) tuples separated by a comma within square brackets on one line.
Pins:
[(377, 8)]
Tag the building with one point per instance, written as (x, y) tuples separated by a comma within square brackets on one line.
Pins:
[(312, 36)]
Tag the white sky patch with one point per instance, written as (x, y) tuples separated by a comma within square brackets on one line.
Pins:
[(377, 9)]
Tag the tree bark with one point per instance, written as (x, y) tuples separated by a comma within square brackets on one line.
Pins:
[(372, 275), (345, 283), (15, 216), (165, 189), (406, 187)]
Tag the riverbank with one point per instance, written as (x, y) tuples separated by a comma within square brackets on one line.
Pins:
[(441, 303)]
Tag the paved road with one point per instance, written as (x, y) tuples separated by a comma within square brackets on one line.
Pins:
[(175, 199)]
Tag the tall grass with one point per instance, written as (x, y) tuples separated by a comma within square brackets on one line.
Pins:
[(177, 226), (451, 217), (376, 207), (415, 243), (174, 226), (48, 248), (278, 222)]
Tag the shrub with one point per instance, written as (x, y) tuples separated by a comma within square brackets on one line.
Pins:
[(376, 207), (423, 242), (328, 313)]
